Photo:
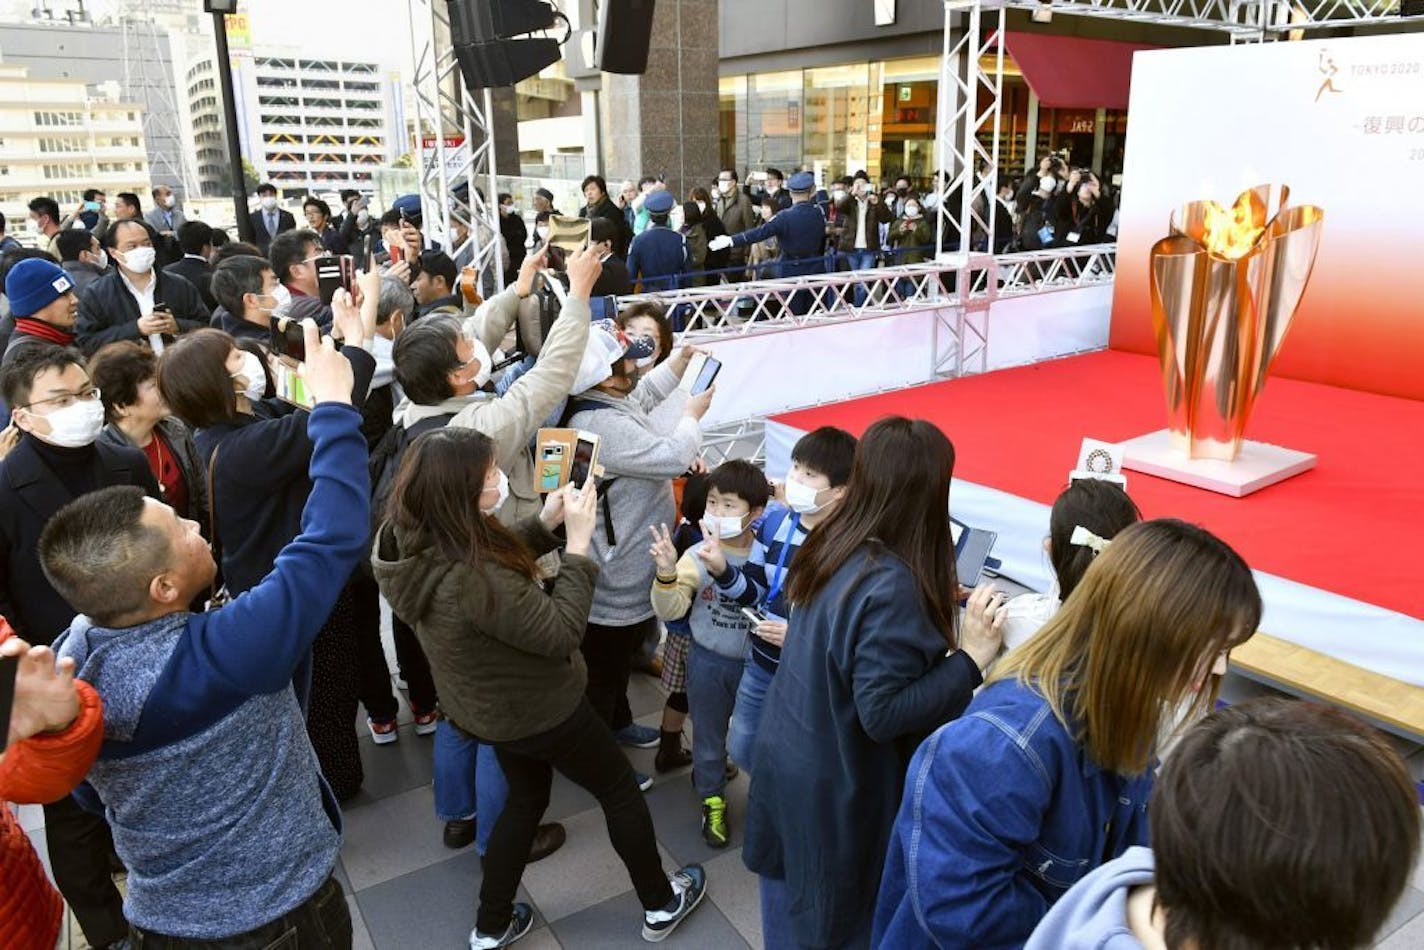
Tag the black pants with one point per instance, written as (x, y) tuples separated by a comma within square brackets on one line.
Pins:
[(331, 715), (608, 654), (414, 667), (322, 921), (374, 687), (583, 749), (80, 851)]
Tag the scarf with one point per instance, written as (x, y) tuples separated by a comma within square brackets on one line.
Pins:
[(45, 331)]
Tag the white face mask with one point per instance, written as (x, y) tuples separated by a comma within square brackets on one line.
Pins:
[(647, 362), (911, 212), (507, 209), (702, 206), (169, 201), (801, 498), (75, 426), (727, 526), (102, 261), (139, 259), (675, 218), (503, 490), (838, 195), (363, 218), (543, 233), (252, 372), (726, 187), (269, 203)]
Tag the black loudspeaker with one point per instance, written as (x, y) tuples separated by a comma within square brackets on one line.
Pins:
[(625, 29), (489, 42)]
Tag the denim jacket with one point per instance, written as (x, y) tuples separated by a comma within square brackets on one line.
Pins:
[(1003, 812)]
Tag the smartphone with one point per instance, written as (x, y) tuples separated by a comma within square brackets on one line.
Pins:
[(290, 386), (551, 467), (603, 308), (328, 277), (9, 666), (585, 454), (396, 252), (971, 552), (755, 616), (288, 339), (706, 375)]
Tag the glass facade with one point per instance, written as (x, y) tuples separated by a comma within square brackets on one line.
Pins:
[(881, 117)]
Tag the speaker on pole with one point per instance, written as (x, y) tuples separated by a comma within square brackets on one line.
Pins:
[(625, 30), (490, 42)]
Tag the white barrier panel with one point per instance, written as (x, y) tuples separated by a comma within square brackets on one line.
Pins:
[(1031, 329)]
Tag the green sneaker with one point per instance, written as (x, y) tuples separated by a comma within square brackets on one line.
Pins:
[(714, 821)]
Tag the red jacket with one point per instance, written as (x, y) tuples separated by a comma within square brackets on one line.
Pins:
[(43, 768)]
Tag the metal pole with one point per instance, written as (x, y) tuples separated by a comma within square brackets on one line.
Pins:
[(234, 147)]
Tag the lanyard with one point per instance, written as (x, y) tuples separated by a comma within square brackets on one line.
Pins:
[(780, 581)]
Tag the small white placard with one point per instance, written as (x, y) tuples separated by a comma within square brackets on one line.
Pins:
[(1101, 460)]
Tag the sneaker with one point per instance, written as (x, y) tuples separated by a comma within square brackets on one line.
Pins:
[(519, 924), (714, 821), (459, 833), (689, 886), (383, 732), (645, 782), (638, 737), (425, 723)]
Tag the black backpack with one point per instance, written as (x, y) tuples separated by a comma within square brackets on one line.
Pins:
[(386, 459)]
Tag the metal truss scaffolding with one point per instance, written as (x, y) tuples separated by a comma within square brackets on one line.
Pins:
[(967, 133), (149, 81), (454, 146), (1245, 20)]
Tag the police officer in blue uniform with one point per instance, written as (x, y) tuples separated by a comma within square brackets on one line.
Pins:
[(801, 230), (658, 257)]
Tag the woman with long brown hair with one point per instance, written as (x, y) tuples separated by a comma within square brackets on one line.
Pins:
[(1047, 774), (504, 652), (873, 661)]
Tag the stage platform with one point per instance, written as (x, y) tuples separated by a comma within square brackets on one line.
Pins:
[(1337, 550)]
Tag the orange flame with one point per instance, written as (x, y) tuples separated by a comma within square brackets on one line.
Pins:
[(1231, 234)]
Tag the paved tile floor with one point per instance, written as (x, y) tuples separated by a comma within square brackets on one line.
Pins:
[(408, 892)]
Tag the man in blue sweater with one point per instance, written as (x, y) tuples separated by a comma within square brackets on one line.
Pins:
[(206, 773)]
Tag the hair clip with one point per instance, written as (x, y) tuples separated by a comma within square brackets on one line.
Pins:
[(1084, 538)]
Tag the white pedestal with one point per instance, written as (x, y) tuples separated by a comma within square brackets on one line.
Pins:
[(1258, 466)]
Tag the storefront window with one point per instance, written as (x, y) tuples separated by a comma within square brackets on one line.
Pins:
[(774, 120), (733, 122), (837, 120), (909, 90)]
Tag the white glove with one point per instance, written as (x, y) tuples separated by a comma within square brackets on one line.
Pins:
[(719, 243)]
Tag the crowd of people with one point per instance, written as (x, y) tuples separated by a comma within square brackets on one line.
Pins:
[(193, 559)]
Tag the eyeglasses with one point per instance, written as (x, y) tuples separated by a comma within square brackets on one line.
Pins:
[(65, 400)]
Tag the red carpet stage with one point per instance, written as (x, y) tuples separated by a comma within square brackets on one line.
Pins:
[(1331, 547)]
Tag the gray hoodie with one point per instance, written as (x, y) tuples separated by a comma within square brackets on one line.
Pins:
[(1093, 914), (641, 463)]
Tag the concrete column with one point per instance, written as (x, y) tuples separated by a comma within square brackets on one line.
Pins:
[(505, 122), (1031, 136), (1099, 135), (665, 121)]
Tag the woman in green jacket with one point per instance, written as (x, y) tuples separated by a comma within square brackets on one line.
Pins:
[(504, 652)]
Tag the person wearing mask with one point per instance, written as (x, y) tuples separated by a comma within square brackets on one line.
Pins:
[(166, 217), (776, 192), (821, 464), (435, 285), (268, 219), (126, 375), (614, 401), (716, 262), (44, 305), (195, 240), (762, 257), (659, 256), (912, 236), (127, 206), (734, 207), (506, 661), (874, 659), (56, 728), (1089, 214), (613, 280), (1048, 773), (59, 458), (206, 764), (294, 255), (544, 202), (686, 219), (257, 455), (736, 498), (516, 236), (1038, 227), (801, 232), (318, 215), (136, 301), (245, 290), (45, 222), (82, 258), (1276, 823)]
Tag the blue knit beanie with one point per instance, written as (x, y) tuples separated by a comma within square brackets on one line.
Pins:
[(34, 284)]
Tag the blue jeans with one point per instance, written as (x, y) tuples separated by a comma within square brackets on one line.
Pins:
[(751, 693), (468, 781), (860, 260), (712, 681), (776, 930)]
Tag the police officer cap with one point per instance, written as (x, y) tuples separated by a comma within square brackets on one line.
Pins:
[(659, 202), (802, 181)]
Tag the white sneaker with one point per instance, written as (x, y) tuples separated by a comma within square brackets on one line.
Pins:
[(689, 886)]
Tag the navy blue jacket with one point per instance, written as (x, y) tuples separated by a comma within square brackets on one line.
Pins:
[(1003, 812), (658, 257), (801, 229), (108, 312), (863, 678)]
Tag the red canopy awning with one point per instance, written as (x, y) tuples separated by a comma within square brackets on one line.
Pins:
[(1067, 72)]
